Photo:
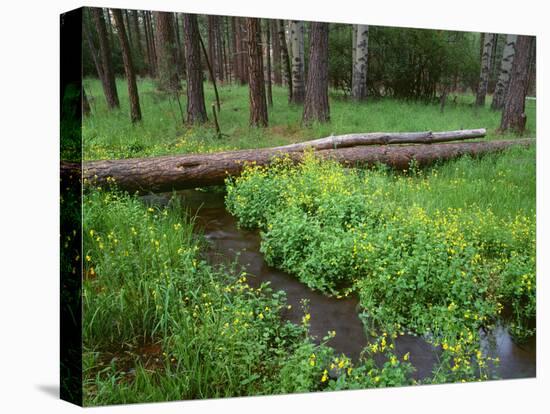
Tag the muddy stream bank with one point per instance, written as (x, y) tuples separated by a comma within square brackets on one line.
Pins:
[(229, 243)]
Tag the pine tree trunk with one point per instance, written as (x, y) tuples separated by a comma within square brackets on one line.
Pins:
[(152, 46), (196, 109), (211, 46), (228, 44), (286, 59), (219, 49), (244, 51), (235, 46), (126, 22), (135, 110), (488, 41), (297, 50), (138, 51), (109, 86), (258, 106), (151, 69), (267, 53), (179, 53), (109, 27), (359, 78), (316, 107), (513, 115), (353, 46), (94, 53), (168, 79), (505, 69), (276, 67)]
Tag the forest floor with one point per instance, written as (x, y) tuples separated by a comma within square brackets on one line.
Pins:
[(109, 134), (447, 251)]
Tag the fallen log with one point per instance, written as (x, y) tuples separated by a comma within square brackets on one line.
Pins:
[(384, 138), (175, 172)]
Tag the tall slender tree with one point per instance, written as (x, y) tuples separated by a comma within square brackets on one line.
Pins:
[(513, 115), (135, 109), (276, 48), (298, 63), (267, 53), (152, 46), (211, 20), (488, 41), (286, 58), (244, 50), (138, 49), (109, 84), (196, 109), (168, 79), (258, 106), (359, 75), (236, 50), (316, 106), (505, 69)]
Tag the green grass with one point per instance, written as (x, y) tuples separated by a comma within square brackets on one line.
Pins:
[(109, 134), (161, 324)]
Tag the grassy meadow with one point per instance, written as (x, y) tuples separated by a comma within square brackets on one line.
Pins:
[(442, 252), (110, 134)]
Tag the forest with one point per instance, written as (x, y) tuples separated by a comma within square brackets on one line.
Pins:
[(277, 206)]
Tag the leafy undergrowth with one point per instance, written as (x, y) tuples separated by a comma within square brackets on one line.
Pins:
[(161, 324), (437, 252)]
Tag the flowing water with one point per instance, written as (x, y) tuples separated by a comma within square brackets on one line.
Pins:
[(229, 243)]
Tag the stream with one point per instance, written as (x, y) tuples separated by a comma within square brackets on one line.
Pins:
[(229, 243)]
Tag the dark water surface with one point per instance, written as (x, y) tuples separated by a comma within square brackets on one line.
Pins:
[(229, 243)]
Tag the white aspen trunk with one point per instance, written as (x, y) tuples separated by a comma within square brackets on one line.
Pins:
[(359, 78), (488, 41), (505, 69), (298, 70)]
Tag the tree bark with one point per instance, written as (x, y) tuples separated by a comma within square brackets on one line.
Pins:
[(488, 41), (168, 79), (196, 109), (151, 58), (212, 45), (94, 53), (175, 172), (359, 75), (109, 83), (298, 67), (267, 53), (134, 27), (286, 58), (258, 106), (505, 69), (316, 106), (513, 115), (276, 67), (135, 110), (235, 46)]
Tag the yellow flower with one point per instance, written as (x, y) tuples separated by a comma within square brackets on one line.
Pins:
[(306, 318), (324, 378), (88, 258), (260, 315), (406, 356)]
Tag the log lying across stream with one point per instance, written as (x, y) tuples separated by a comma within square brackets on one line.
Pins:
[(175, 172)]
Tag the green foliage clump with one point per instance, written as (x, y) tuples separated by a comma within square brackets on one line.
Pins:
[(161, 324), (440, 267)]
